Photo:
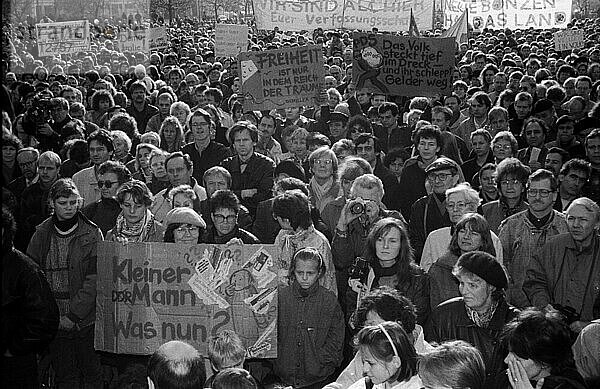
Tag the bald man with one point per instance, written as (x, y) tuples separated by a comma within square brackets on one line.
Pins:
[(176, 364)]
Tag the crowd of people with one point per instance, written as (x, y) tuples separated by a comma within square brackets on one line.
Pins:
[(427, 241)]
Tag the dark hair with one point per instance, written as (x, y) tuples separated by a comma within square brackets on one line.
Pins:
[(595, 134), (512, 167), (375, 339), (176, 371), (482, 98), (216, 94), (12, 140), (224, 198), (79, 151), (390, 305), (531, 120), (394, 154), (123, 174), (576, 164), (360, 120), (543, 174), (138, 190), (542, 336), (476, 223), (564, 155), (103, 137), (241, 126), (99, 95), (124, 122), (292, 183), (9, 227), (186, 159), (294, 206), (405, 263), (364, 138), (234, 378), (388, 106), (429, 132)]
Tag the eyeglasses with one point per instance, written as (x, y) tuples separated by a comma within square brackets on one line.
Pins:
[(502, 147), (107, 184), (459, 205), (439, 176), (201, 125), (187, 229), (323, 161), (221, 218), (542, 192), (510, 182)]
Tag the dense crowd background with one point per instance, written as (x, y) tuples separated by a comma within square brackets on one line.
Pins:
[(457, 230)]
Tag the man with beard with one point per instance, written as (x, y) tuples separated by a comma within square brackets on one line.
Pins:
[(140, 110)]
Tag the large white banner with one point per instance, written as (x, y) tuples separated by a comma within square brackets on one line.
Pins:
[(513, 14), (386, 15), (62, 37)]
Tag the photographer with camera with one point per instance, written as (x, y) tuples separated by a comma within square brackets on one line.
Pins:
[(565, 273), (48, 120), (361, 211)]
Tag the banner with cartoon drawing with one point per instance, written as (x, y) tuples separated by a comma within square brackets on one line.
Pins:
[(402, 65), (151, 293)]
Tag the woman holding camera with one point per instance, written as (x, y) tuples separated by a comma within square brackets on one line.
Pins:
[(389, 262)]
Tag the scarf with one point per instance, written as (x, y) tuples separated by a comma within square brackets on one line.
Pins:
[(137, 232), (482, 320), (320, 192), (65, 227)]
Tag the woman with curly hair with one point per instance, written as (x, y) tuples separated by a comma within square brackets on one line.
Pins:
[(102, 101), (126, 123)]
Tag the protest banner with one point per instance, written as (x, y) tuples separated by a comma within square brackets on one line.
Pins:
[(288, 77), (157, 38), (230, 39), (132, 41), (151, 293), (514, 14), (62, 37), (567, 40), (298, 15), (401, 65)]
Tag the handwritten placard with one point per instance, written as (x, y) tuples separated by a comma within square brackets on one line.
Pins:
[(567, 40), (281, 78), (157, 38), (230, 39), (151, 293), (62, 37), (132, 41), (404, 66)]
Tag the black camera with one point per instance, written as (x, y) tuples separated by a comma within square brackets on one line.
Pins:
[(359, 269), (569, 313), (39, 113), (357, 207)]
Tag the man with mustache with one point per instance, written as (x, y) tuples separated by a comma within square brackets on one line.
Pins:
[(525, 233)]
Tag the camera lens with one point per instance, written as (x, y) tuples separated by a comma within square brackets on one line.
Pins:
[(357, 208)]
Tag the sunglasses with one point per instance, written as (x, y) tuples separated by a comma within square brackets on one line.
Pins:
[(106, 184)]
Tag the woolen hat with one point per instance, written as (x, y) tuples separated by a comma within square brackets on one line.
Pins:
[(485, 266), (184, 215)]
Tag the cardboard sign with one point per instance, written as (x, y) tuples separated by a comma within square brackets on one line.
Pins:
[(513, 14), (151, 293), (157, 38), (289, 77), (62, 37), (567, 40), (132, 41), (230, 39), (294, 15), (401, 65)]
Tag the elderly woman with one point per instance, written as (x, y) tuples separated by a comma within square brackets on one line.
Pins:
[(504, 145), (292, 212), (324, 186), (182, 196), (128, 125), (460, 200), (171, 134), (122, 144), (471, 233), (224, 211), (136, 223), (160, 179), (479, 315), (183, 225)]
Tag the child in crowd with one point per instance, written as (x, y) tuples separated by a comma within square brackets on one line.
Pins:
[(225, 351), (311, 326)]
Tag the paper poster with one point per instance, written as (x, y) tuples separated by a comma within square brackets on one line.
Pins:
[(386, 15), (230, 39), (568, 40), (151, 293), (288, 77), (62, 37), (401, 65), (157, 38), (132, 41), (514, 14)]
